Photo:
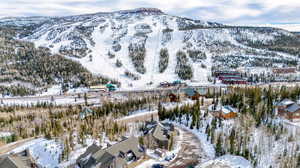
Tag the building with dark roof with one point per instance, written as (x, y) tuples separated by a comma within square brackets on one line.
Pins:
[(288, 109), (19, 160), (192, 93), (157, 135), (116, 156)]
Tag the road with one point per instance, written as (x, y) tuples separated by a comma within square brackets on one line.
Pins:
[(191, 152)]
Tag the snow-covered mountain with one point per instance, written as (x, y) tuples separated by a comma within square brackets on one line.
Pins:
[(146, 45)]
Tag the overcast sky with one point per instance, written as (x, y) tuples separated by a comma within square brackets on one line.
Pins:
[(224, 11)]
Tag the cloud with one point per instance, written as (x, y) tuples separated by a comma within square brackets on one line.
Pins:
[(224, 11)]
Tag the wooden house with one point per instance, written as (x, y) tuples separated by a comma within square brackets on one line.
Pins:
[(192, 93), (282, 106), (293, 112), (228, 112)]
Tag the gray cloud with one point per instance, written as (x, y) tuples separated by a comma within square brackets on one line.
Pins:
[(224, 11)]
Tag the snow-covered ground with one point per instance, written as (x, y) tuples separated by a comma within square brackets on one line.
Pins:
[(47, 153), (5, 134), (227, 161)]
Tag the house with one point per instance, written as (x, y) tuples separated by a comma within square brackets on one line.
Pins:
[(228, 112), (174, 97), (85, 113), (81, 160), (191, 93), (282, 105), (288, 109), (293, 112), (157, 135), (19, 160), (119, 155)]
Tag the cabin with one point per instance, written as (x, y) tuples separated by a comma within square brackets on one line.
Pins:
[(283, 105), (228, 112), (191, 93), (119, 155), (157, 135), (293, 112), (288, 109), (174, 97)]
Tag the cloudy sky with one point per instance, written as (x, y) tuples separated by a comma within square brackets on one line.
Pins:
[(224, 11)]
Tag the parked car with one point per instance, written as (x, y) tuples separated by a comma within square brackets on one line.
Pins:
[(158, 166)]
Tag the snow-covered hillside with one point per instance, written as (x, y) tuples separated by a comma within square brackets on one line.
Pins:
[(126, 45)]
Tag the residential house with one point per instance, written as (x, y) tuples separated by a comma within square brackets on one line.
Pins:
[(82, 159), (19, 160), (118, 155), (225, 112), (288, 109), (228, 112), (157, 135), (293, 112), (192, 93), (283, 105)]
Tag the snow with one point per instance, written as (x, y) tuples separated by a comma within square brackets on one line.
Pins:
[(45, 152), (228, 161), (5, 134)]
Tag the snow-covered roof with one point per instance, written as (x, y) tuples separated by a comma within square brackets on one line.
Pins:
[(293, 108), (285, 102), (228, 109)]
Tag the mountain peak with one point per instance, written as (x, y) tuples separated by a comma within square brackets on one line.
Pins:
[(143, 10)]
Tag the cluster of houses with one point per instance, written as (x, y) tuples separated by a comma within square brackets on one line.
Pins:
[(288, 109), (19, 160), (229, 77), (130, 150)]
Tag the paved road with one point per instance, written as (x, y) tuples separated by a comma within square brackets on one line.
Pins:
[(191, 152)]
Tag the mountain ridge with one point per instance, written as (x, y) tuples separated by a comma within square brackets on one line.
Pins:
[(146, 45)]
